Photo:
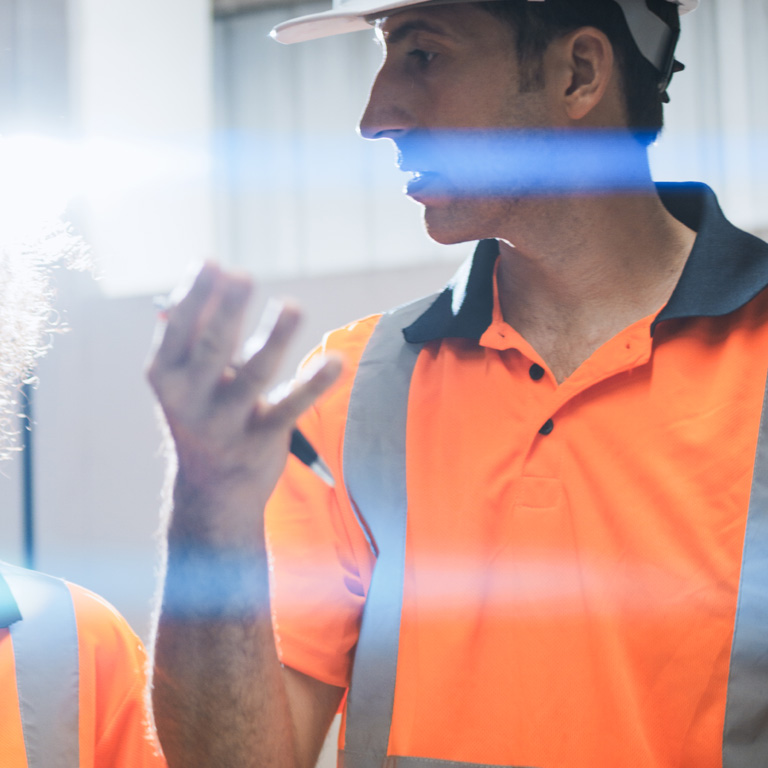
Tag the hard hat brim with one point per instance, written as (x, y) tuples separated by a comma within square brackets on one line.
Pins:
[(352, 16)]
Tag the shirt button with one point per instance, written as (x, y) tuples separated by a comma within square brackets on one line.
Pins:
[(536, 372), (549, 425)]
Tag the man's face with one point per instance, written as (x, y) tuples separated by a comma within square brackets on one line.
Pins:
[(450, 75)]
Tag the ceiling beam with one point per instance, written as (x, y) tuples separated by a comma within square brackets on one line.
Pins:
[(228, 7)]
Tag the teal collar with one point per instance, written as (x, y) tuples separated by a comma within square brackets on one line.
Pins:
[(9, 609)]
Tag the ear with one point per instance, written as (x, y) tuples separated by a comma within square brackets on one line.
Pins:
[(590, 67)]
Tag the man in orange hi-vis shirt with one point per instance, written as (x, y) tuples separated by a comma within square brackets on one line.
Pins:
[(72, 672), (546, 544)]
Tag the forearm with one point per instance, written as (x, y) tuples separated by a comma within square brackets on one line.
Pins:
[(220, 695), (219, 692)]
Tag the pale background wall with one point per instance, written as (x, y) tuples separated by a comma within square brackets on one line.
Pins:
[(147, 87)]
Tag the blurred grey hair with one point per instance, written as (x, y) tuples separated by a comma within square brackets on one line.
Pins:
[(27, 318)]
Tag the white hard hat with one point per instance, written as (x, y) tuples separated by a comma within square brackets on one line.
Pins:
[(353, 15)]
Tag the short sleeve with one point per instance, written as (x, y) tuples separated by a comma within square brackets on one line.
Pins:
[(320, 561)]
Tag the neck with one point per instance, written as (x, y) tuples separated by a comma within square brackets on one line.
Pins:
[(587, 268)]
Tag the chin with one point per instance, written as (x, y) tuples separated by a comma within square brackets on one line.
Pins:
[(448, 237), (463, 221)]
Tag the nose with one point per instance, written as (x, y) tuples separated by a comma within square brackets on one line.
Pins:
[(386, 116)]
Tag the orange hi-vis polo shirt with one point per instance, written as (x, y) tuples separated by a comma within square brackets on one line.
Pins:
[(573, 553), (111, 723)]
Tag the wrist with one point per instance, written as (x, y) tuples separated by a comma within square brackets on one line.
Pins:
[(223, 516), (210, 583)]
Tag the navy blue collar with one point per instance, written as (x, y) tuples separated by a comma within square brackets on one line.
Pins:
[(726, 269), (9, 610)]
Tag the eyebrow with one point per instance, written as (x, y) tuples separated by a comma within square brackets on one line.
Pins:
[(402, 31)]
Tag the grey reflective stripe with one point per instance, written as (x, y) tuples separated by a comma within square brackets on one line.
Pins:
[(374, 470), (45, 649), (745, 736), (394, 761), (375, 475)]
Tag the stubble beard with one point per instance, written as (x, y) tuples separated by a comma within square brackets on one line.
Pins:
[(466, 219)]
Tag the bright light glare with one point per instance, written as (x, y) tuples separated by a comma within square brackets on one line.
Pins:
[(39, 176), (35, 176)]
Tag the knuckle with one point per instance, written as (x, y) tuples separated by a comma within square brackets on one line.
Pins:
[(208, 344)]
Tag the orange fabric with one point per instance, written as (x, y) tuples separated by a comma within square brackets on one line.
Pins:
[(12, 751), (114, 730), (318, 579), (114, 726), (570, 597)]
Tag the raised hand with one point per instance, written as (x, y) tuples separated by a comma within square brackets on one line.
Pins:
[(231, 441)]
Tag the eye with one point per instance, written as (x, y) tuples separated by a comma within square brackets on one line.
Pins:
[(423, 57)]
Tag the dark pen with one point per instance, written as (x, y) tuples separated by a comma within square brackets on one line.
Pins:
[(302, 449)]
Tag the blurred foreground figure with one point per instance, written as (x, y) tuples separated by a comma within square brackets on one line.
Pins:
[(547, 544), (72, 671)]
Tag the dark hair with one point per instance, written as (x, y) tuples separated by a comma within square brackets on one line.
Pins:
[(537, 24)]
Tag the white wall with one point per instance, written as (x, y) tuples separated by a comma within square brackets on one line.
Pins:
[(140, 88), (717, 121), (125, 86)]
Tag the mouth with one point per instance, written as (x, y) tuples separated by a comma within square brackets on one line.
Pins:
[(423, 184)]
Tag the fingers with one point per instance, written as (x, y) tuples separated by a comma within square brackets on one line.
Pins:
[(218, 334), (305, 391), (181, 319), (202, 331), (194, 375), (261, 367)]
